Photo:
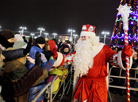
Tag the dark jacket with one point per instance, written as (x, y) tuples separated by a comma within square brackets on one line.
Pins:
[(14, 89), (13, 54)]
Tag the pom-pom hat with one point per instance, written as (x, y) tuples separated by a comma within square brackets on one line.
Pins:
[(88, 30)]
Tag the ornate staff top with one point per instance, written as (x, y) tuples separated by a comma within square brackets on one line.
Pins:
[(124, 10)]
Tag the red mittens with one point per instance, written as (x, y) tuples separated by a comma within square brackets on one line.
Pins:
[(126, 51)]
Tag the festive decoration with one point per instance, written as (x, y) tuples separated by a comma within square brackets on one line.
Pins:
[(132, 22), (124, 11)]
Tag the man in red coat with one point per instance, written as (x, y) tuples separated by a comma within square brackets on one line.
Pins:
[(90, 65)]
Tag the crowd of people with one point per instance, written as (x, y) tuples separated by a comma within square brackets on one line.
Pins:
[(25, 65)]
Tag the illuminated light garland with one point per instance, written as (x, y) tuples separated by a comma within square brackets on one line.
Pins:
[(120, 19)]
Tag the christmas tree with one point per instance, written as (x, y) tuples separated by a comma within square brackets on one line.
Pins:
[(118, 32)]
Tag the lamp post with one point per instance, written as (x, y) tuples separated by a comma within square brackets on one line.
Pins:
[(105, 33), (46, 34), (71, 31), (75, 36), (41, 29), (54, 34), (22, 29), (32, 34)]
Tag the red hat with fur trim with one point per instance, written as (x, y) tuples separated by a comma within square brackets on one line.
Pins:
[(60, 60), (88, 30), (59, 57)]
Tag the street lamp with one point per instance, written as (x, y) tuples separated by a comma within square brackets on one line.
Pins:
[(22, 29), (20, 32), (41, 29), (75, 36), (105, 33), (54, 34), (0, 27), (71, 31), (46, 34), (32, 34)]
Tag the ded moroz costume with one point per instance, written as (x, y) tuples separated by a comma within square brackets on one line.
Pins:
[(90, 65)]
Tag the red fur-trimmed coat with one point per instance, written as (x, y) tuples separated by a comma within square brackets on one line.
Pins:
[(93, 86)]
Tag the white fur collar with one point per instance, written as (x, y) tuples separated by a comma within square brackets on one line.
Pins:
[(97, 48)]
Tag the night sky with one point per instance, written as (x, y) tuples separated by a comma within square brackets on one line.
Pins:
[(58, 15)]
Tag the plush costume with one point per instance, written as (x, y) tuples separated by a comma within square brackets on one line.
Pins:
[(90, 65)]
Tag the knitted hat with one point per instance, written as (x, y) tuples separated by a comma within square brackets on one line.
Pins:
[(40, 40), (7, 34), (19, 44), (18, 37), (88, 30)]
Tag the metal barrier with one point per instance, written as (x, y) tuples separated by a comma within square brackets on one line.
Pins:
[(122, 77), (119, 77), (50, 97), (39, 94)]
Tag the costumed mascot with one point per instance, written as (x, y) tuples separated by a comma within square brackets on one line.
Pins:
[(90, 65)]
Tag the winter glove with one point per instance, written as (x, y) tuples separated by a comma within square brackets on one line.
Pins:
[(38, 61), (126, 51), (43, 58), (27, 50)]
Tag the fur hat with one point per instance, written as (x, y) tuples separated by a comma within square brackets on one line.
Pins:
[(88, 30), (7, 34), (40, 40)]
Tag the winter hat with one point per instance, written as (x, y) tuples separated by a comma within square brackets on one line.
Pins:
[(65, 49), (7, 34), (19, 44), (60, 60), (88, 30), (53, 48), (18, 37), (40, 40)]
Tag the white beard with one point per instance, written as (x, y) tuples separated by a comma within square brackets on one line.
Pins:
[(83, 59)]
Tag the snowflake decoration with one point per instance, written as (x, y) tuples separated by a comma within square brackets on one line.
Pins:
[(123, 10)]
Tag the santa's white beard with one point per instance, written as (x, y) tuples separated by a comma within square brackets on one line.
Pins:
[(83, 59)]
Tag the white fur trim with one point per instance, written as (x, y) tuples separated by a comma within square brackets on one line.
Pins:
[(86, 33), (59, 60), (97, 48), (119, 61)]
